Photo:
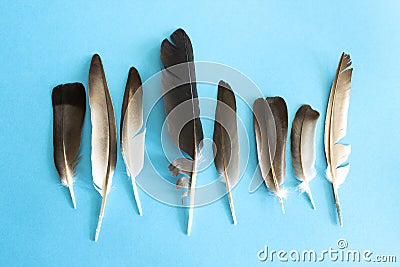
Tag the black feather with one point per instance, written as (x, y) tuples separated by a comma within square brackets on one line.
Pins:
[(182, 107), (179, 88)]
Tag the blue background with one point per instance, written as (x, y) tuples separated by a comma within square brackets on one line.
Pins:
[(288, 48)]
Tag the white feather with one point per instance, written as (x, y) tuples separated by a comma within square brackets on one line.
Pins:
[(336, 127)]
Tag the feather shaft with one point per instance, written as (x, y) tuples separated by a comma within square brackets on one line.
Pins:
[(136, 195), (337, 203), (100, 220), (228, 185), (191, 196), (308, 191), (194, 171), (230, 198), (72, 194), (69, 179), (276, 184)]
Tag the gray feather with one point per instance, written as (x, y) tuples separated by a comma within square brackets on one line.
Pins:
[(303, 146), (265, 132), (270, 125), (104, 134), (225, 137), (279, 111), (303, 142), (226, 141), (132, 142)]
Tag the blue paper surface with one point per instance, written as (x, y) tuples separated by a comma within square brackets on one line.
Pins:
[(287, 48)]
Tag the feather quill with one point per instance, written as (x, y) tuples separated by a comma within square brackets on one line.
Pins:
[(69, 107), (132, 142), (182, 106), (271, 126), (335, 128), (226, 142), (104, 134), (303, 147)]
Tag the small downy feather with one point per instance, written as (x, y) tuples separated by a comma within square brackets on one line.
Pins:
[(226, 141), (182, 107), (271, 126), (132, 140), (69, 107), (104, 134), (335, 128), (303, 147)]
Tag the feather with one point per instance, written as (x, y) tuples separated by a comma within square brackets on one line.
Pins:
[(270, 125), (182, 105), (132, 142), (69, 106), (226, 142), (104, 134), (335, 128), (303, 147)]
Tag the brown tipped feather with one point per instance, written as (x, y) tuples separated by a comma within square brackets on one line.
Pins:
[(104, 133), (132, 142), (69, 107)]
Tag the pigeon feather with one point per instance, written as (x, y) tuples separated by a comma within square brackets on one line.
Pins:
[(226, 141), (182, 105), (270, 125), (69, 107), (132, 141), (104, 134), (303, 147), (335, 128)]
